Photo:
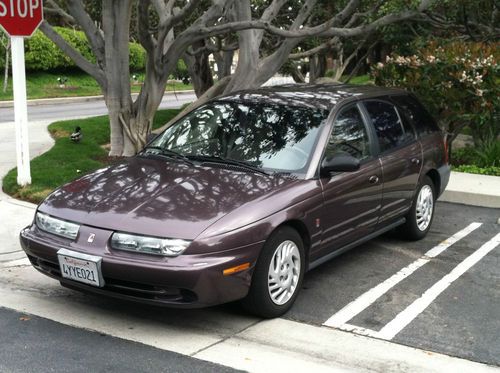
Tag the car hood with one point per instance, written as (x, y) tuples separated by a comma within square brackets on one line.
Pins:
[(158, 197)]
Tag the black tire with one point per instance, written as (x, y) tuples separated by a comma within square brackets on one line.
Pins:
[(259, 301), (410, 230)]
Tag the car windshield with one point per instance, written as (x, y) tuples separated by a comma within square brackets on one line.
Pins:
[(275, 138)]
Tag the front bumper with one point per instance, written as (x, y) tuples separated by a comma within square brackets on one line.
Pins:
[(186, 281)]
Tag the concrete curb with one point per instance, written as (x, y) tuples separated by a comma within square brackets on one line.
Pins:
[(64, 100), (4, 197), (473, 190)]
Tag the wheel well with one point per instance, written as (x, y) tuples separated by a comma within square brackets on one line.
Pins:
[(436, 180), (301, 228)]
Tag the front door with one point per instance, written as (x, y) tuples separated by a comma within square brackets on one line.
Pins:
[(351, 199)]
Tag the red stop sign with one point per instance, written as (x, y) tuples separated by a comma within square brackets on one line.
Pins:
[(21, 17)]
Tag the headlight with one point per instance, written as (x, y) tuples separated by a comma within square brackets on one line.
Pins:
[(148, 245), (56, 226)]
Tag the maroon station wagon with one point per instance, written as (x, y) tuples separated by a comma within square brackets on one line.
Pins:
[(243, 195)]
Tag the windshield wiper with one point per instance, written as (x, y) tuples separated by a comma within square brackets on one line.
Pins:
[(168, 153), (285, 174), (233, 162)]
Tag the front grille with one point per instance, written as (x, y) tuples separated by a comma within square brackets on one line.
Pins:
[(45, 266), (152, 292), (127, 288)]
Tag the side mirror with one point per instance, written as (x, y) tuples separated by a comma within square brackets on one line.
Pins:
[(342, 162)]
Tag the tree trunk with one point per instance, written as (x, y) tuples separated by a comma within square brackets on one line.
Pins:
[(224, 62), (145, 107), (317, 67), (6, 70), (117, 14), (217, 89), (297, 75), (199, 69)]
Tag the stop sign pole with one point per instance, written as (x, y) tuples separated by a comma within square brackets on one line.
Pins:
[(20, 111), (20, 19)]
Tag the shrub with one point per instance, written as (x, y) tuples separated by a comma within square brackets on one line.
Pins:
[(484, 159), (488, 154), (471, 169), (137, 57), (330, 73), (42, 54), (77, 40), (181, 72), (457, 82)]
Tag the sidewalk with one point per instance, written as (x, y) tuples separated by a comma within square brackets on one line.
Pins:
[(15, 214), (63, 100)]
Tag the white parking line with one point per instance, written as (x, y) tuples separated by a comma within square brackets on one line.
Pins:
[(413, 310), (365, 300)]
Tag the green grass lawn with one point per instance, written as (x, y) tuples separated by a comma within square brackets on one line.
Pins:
[(66, 160), (45, 85), (361, 79)]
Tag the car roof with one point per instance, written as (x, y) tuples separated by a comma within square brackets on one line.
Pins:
[(322, 96)]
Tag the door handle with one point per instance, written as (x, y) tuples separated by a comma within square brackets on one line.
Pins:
[(415, 161), (373, 179)]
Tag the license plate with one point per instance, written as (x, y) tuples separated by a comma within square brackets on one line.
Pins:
[(80, 267)]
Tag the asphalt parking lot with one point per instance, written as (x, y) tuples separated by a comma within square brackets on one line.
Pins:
[(462, 320)]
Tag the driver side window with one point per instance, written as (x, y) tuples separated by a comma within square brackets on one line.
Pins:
[(349, 135)]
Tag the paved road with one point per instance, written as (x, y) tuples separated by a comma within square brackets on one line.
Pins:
[(83, 109), (33, 344)]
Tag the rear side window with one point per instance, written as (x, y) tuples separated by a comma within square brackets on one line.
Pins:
[(423, 122), (387, 123)]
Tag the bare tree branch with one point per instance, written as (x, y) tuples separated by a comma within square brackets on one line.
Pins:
[(321, 30), (272, 10), (180, 14), (277, 58), (311, 52), (346, 12), (482, 31), (93, 34), (145, 37), (211, 47), (355, 70), (55, 9)]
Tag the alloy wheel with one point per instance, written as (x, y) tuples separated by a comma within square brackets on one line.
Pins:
[(284, 272), (424, 207)]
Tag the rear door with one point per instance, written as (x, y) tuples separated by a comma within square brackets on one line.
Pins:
[(352, 199), (400, 155)]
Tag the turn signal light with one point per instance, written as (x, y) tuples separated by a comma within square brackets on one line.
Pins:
[(241, 267)]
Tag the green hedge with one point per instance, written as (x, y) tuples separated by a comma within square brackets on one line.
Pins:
[(43, 55)]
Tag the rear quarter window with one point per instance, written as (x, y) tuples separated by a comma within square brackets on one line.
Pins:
[(416, 113)]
